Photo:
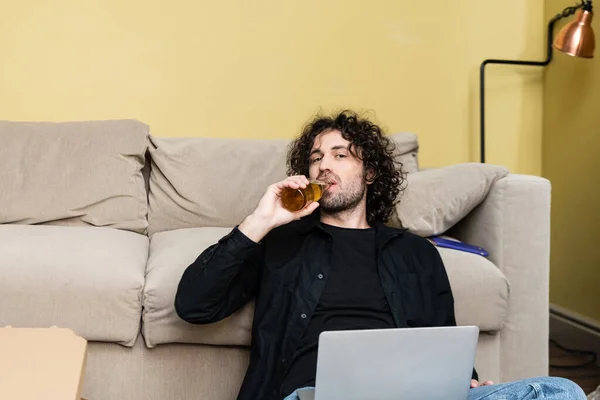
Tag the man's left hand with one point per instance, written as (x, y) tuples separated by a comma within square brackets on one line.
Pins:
[(475, 383)]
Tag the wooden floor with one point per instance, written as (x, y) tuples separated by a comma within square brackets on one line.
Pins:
[(587, 377)]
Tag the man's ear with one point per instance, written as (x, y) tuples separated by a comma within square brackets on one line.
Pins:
[(370, 175)]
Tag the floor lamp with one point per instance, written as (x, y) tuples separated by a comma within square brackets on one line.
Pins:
[(575, 39)]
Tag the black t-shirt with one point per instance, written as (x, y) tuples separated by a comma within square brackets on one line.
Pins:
[(353, 298)]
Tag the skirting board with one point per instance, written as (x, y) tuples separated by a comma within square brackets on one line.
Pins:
[(574, 331)]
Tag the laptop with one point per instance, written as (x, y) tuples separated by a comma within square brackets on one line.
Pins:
[(392, 364)]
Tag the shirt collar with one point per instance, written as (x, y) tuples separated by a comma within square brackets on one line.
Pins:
[(382, 232)]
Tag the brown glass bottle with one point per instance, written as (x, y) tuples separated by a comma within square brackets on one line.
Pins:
[(297, 199)]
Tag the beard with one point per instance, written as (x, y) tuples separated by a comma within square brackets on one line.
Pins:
[(347, 196)]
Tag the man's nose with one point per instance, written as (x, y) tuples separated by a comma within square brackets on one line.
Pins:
[(324, 164)]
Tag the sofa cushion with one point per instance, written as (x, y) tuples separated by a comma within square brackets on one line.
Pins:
[(480, 290), (436, 199), (87, 279), (210, 182), (205, 182), (74, 173), (170, 254), (407, 149)]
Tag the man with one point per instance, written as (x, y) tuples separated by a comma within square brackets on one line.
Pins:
[(333, 265)]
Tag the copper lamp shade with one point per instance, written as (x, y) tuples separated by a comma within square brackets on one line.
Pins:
[(577, 37)]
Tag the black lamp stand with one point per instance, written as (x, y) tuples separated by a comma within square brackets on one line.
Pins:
[(566, 13)]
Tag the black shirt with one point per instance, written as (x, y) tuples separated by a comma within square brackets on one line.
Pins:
[(281, 274), (353, 298)]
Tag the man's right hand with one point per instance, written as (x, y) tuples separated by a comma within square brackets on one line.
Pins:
[(269, 214)]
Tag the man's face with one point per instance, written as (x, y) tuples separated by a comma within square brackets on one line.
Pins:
[(332, 162)]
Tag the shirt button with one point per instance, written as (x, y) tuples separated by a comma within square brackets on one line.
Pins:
[(320, 276), (303, 316), (283, 360)]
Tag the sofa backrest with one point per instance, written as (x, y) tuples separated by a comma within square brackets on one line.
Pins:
[(73, 173), (114, 174), (207, 182)]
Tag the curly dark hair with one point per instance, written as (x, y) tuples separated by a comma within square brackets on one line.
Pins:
[(368, 143)]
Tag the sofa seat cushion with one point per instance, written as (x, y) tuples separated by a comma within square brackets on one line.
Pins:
[(87, 279), (170, 254), (480, 291)]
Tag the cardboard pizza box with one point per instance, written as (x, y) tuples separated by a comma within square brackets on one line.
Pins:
[(41, 363)]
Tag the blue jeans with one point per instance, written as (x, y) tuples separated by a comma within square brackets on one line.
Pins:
[(534, 388)]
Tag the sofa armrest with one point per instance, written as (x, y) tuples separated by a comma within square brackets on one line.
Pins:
[(513, 224)]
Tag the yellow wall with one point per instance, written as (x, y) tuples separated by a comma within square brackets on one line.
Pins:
[(260, 68), (571, 160)]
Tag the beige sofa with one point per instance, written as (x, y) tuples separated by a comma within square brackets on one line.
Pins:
[(98, 220)]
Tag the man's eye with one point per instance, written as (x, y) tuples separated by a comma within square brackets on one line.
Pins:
[(340, 156), (316, 159)]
